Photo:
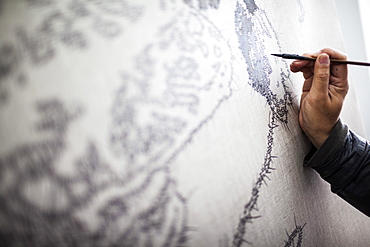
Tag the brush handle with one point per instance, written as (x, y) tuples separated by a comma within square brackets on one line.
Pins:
[(349, 62), (298, 57)]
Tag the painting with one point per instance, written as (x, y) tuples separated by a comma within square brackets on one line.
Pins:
[(162, 123)]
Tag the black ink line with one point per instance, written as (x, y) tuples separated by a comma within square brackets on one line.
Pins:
[(184, 89), (301, 8), (251, 205), (203, 4), (297, 233), (247, 17), (57, 225)]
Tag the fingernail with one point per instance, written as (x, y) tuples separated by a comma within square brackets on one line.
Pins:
[(324, 59)]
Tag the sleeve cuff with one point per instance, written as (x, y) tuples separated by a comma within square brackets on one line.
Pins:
[(318, 157)]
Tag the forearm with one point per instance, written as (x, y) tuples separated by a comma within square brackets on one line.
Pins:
[(344, 161)]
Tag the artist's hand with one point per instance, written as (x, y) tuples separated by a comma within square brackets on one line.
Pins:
[(323, 93)]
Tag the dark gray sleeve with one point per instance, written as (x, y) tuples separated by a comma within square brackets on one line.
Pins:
[(344, 162)]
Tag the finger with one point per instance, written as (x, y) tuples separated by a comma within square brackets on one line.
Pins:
[(303, 96), (301, 65), (308, 72), (298, 65), (307, 85), (337, 70), (320, 82), (335, 54)]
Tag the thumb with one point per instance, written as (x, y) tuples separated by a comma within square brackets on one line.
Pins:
[(321, 77)]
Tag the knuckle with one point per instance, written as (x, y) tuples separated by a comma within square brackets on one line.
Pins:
[(334, 53), (323, 75)]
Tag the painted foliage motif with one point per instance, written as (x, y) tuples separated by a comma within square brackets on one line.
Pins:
[(175, 83)]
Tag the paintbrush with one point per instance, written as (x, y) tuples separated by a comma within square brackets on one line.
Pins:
[(298, 57)]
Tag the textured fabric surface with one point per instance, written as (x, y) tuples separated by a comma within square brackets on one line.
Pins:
[(163, 123)]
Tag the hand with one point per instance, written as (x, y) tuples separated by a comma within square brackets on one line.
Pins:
[(323, 93)]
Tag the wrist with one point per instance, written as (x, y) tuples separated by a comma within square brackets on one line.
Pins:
[(318, 140), (318, 136)]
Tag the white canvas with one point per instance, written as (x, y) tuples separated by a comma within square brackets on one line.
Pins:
[(163, 123)]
